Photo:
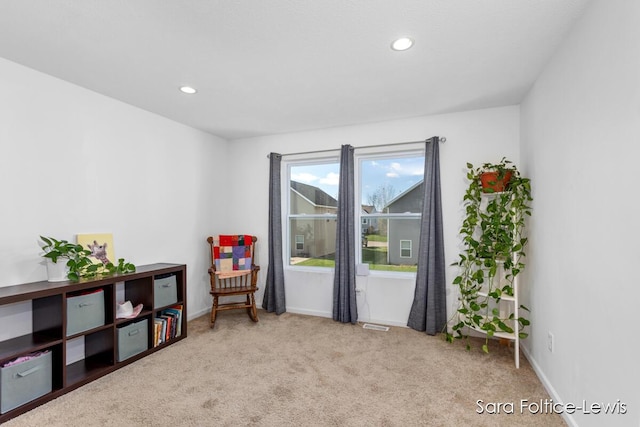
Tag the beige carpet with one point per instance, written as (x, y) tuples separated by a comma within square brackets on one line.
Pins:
[(302, 370)]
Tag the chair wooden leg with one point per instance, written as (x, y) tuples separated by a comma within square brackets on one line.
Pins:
[(214, 311), (254, 310)]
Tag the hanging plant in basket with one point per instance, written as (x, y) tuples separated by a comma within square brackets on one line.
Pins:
[(492, 251)]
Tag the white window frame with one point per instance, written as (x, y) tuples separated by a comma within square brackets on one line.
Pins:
[(286, 205), (360, 216), (359, 158), (297, 242), (410, 248)]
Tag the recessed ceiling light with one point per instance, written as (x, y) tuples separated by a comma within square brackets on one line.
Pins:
[(403, 43), (188, 89)]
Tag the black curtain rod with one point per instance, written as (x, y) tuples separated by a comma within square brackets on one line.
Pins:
[(441, 139)]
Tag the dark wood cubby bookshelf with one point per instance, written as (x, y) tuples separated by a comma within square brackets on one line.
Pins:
[(49, 322)]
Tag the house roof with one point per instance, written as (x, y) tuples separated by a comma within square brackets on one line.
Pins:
[(368, 208), (403, 194), (314, 194)]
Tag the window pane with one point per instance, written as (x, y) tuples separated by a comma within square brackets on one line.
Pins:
[(381, 248), (405, 248), (319, 235), (313, 192), (392, 185), (314, 189)]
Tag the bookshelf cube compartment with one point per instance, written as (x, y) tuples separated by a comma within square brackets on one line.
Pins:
[(133, 339), (165, 291), (24, 382), (85, 312)]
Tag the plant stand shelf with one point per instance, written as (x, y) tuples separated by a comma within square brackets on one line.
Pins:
[(508, 304), (492, 256)]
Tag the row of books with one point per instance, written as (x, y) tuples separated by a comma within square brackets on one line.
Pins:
[(167, 325)]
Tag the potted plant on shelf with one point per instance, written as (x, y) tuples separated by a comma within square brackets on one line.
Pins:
[(495, 177), (492, 252), (71, 261), (59, 255)]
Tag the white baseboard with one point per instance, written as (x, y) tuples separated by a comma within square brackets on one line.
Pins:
[(310, 312), (385, 322), (568, 418), (204, 311), (329, 315), (198, 313)]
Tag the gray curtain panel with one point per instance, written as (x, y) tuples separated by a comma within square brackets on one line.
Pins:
[(429, 312), (274, 300), (345, 309)]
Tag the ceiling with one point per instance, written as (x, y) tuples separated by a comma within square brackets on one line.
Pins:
[(273, 66)]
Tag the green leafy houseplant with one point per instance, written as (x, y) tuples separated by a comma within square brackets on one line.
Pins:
[(495, 177), (492, 251), (78, 261)]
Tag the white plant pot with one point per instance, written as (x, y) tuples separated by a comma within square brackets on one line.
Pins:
[(57, 271)]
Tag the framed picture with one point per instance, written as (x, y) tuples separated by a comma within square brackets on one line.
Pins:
[(100, 245)]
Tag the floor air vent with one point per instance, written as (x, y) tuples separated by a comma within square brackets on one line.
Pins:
[(375, 327)]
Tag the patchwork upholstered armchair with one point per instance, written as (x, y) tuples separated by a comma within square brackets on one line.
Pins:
[(233, 273)]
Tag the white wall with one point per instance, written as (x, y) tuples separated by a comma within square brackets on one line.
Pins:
[(474, 136), (580, 134), (73, 161)]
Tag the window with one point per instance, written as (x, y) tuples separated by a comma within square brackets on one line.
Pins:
[(312, 201), (388, 205), (405, 248), (391, 197)]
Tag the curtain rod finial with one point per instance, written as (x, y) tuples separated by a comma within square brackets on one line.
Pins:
[(440, 139)]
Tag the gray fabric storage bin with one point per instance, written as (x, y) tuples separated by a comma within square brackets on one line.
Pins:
[(133, 339), (25, 382), (85, 312), (165, 291)]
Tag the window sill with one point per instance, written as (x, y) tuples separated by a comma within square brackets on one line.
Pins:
[(373, 273)]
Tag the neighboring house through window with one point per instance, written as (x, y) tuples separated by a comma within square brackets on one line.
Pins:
[(312, 213), (392, 185), (390, 200)]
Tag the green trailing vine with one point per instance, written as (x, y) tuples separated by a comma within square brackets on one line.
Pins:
[(493, 248), (78, 260)]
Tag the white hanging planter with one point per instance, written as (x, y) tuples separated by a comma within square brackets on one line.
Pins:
[(57, 271)]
